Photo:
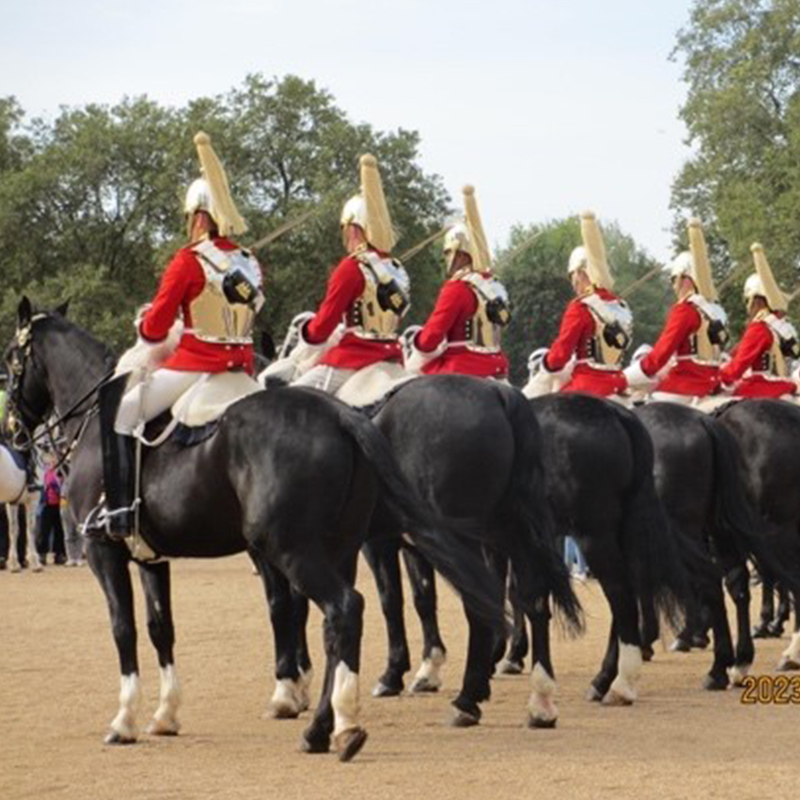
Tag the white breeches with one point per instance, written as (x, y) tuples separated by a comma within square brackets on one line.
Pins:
[(12, 478), (328, 379), (147, 400)]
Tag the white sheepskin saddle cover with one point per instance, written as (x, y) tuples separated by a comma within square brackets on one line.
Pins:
[(209, 398), (372, 383)]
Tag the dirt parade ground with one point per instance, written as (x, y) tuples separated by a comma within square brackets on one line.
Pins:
[(59, 686)]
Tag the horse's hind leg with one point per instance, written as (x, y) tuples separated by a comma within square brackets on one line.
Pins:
[(782, 616), (542, 709), (109, 562), (434, 653), (343, 607), (13, 537), (156, 584), (288, 699), (382, 555), (737, 582), (29, 515), (790, 658), (762, 631), (518, 645), (717, 677)]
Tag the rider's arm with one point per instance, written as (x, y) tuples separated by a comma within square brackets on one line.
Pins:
[(756, 340), (454, 298), (576, 322), (344, 286), (682, 322), (182, 275)]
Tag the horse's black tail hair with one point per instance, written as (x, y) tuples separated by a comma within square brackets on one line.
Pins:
[(434, 538), (652, 549), (736, 521), (534, 557)]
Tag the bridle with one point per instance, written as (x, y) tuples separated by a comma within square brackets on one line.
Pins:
[(18, 408)]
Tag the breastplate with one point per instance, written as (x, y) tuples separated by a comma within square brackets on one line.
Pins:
[(376, 314), (214, 318), (613, 329), (774, 361), (707, 342), (483, 330)]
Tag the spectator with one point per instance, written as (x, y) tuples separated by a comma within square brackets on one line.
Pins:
[(51, 531)]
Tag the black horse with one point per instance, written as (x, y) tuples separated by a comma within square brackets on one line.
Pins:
[(699, 469), (768, 433), (292, 477), (598, 475)]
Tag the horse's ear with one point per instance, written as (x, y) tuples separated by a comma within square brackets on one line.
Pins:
[(24, 312), (63, 308), (268, 346)]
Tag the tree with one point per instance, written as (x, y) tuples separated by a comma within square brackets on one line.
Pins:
[(90, 204), (742, 113), (535, 274)]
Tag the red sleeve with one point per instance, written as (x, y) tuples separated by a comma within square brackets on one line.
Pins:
[(455, 300), (576, 322), (682, 322), (344, 287), (181, 272), (757, 338)]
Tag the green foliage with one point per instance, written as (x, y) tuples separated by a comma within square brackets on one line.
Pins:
[(535, 274), (90, 204), (742, 111)]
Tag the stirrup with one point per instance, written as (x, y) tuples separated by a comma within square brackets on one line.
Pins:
[(106, 518)]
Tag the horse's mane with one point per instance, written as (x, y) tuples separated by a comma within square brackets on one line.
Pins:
[(89, 346)]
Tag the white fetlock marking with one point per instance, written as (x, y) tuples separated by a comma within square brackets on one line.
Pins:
[(129, 694), (543, 691), (287, 697), (428, 672), (792, 652), (738, 673), (629, 667), (165, 720), (344, 699)]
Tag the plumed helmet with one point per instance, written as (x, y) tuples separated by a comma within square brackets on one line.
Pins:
[(368, 209), (767, 286), (468, 236), (694, 263), (457, 239), (211, 192), (592, 255), (682, 264)]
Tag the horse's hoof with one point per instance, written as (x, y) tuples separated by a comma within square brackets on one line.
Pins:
[(593, 694), (114, 737), (156, 728), (760, 631), (775, 630), (349, 743), (281, 711), (424, 686), (15, 569), (536, 721), (615, 699), (508, 667), (314, 745), (738, 673), (463, 719), (382, 690), (680, 646), (647, 652), (715, 683), (700, 642), (787, 664)]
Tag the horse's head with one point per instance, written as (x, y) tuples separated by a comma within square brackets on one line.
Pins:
[(29, 400)]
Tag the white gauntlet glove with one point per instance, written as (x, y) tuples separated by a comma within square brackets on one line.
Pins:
[(541, 380), (414, 358), (297, 356)]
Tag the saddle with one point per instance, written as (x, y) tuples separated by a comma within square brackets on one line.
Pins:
[(372, 385)]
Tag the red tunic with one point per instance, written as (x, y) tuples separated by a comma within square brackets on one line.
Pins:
[(455, 306), (345, 286), (687, 377), (574, 339), (755, 344), (182, 282)]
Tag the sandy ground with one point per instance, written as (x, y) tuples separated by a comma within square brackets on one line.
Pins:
[(59, 684)]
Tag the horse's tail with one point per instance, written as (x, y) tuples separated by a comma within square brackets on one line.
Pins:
[(537, 563), (434, 538), (651, 549), (735, 532)]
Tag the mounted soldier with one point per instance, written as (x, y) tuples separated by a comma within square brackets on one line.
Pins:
[(690, 345), (355, 327), (462, 334), (595, 330), (214, 288), (760, 363)]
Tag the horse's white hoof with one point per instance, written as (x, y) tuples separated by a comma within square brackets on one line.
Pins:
[(615, 698), (737, 674), (163, 727), (115, 737)]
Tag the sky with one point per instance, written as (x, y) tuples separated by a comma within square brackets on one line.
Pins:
[(548, 107)]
